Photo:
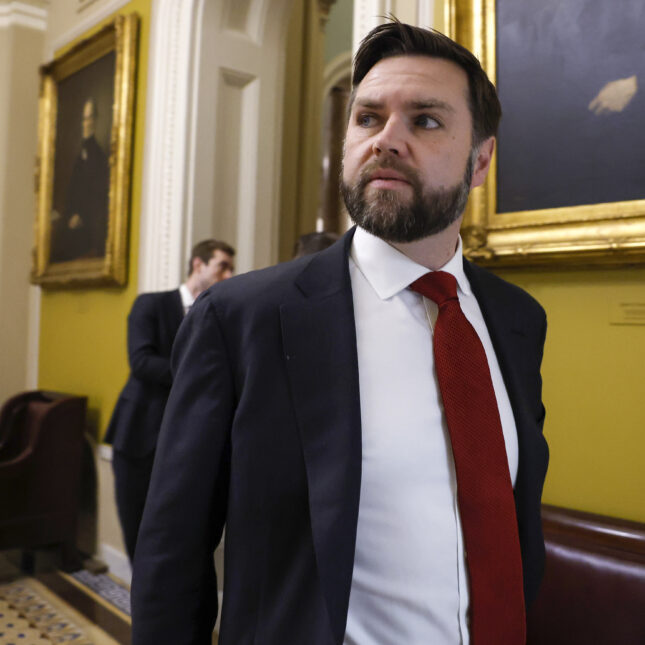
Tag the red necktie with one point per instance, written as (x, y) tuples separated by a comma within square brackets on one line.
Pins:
[(484, 488)]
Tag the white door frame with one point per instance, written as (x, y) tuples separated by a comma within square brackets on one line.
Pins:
[(213, 133)]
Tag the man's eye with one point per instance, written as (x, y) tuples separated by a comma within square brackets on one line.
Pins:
[(365, 120), (427, 122)]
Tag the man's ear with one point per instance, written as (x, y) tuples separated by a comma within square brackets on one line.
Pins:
[(197, 262), (482, 162)]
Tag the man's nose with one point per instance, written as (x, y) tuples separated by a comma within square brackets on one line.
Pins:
[(392, 138)]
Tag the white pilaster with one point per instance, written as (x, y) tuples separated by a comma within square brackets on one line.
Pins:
[(370, 13), (170, 84)]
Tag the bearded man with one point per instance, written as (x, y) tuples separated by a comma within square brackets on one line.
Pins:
[(366, 421)]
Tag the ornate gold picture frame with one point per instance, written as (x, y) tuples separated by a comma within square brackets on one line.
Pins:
[(86, 111), (610, 231)]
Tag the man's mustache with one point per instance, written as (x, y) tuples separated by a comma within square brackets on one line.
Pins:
[(392, 163)]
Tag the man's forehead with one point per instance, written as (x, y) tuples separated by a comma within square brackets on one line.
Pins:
[(428, 78)]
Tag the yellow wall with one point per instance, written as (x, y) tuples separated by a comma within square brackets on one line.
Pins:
[(83, 333), (594, 388)]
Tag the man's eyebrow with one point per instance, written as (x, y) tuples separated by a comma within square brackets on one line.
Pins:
[(423, 104), (371, 104), (430, 104)]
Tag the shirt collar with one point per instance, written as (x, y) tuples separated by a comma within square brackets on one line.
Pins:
[(389, 271), (187, 299)]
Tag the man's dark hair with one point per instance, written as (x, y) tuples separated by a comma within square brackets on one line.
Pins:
[(313, 242), (204, 251), (398, 39)]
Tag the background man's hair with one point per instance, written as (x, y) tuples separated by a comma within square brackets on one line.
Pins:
[(398, 39), (313, 242), (204, 251)]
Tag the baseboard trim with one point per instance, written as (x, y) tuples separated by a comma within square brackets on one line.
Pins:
[(117, 562), (105, 451)]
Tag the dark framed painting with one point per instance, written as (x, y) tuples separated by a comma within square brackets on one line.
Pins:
[(567, 184), (86, 113)]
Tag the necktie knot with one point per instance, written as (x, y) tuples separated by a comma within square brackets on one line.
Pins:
[(438, 286)]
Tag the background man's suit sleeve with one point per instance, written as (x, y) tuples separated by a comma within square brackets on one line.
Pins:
[(146, 363), (174, 590)]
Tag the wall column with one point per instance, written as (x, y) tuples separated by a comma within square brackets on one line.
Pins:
[(22, 37), (369, 13)]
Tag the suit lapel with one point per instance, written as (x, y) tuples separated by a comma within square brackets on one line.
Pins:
[(507, 335), (319, 338)]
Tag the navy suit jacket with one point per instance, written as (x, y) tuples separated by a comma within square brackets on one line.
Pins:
[(152, 326), (263, 432)]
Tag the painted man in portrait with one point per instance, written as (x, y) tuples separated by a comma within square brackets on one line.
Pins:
[(81, 231)]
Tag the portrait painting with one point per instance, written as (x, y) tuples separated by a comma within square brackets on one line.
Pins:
[(574, 74), (81, 164), (566, 184), (86, 113)]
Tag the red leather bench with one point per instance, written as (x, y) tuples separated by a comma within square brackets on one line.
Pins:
[(594, 584)]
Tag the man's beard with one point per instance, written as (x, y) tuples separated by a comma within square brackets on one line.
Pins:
[(387, 215)]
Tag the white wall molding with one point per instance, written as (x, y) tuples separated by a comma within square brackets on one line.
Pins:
[(117, 562), (425, 13), (167, 142), (23, 14), (370, 13), (367, 15), (91, 18), (33, 338)]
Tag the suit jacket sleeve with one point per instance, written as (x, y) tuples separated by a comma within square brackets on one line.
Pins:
[(174, 590), (146, 361)]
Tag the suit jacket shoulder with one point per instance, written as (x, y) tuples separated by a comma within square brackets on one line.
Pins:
[(170, 300), (250, 297)]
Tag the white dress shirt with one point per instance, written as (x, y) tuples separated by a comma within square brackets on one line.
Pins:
[(409, 583), (187, 299)]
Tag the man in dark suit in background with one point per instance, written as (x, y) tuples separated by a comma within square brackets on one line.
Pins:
[(316, 410), (152, 325), (313, 242)]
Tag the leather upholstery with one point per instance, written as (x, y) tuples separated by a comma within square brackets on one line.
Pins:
[(41, 443), (594, 585)]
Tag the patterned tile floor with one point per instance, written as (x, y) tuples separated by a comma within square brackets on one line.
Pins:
[(31, 615)]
